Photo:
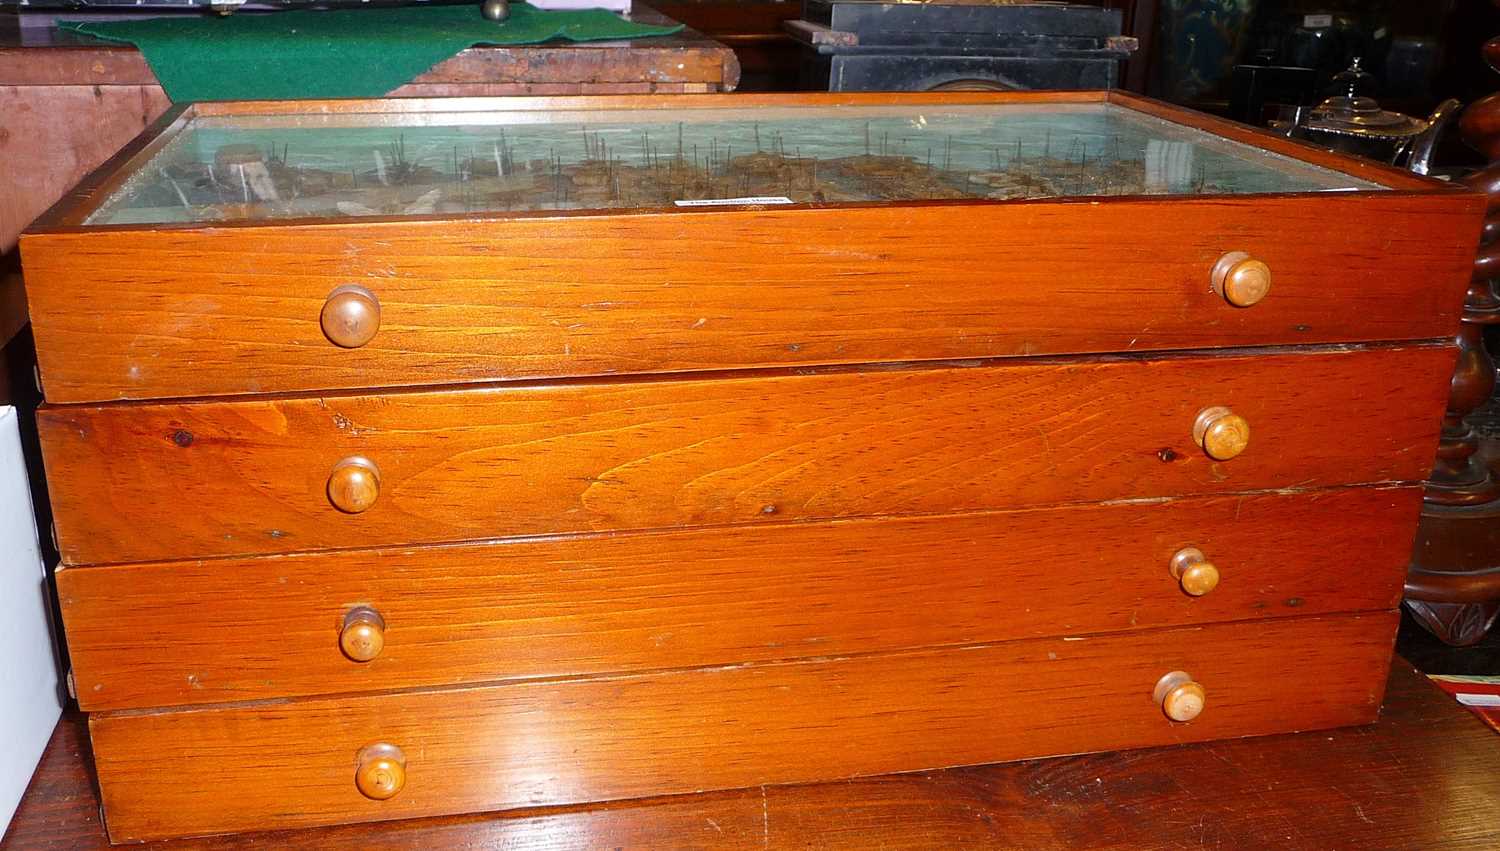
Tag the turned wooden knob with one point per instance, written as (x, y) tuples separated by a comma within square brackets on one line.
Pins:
[(1195, 573), (351, 316), (353, 485), (1222, 433), (382, 771), (1179, 697), (1241, 279), (363, 634)]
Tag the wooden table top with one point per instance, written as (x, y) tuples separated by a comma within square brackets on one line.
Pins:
[(686, 62), (1424, 776)]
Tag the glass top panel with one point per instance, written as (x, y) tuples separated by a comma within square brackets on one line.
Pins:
[(224, 168)]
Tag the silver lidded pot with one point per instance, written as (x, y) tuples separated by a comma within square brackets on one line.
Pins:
[(1356, 124)]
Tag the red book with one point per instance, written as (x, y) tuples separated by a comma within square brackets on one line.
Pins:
[(1480, 694)]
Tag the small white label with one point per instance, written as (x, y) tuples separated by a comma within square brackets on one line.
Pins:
[(1485, 700), (731, 202), (1316, 21)]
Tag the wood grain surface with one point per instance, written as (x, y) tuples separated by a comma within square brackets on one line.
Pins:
[(51, 137), (291, 763), (1422, 777), (169, 633), (684, 61), (149, 482), (127, 314)]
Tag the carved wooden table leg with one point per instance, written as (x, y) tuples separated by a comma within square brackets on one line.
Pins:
[(1454, 585)]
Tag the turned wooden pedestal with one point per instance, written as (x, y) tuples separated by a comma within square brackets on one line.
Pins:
[(1454, 584)]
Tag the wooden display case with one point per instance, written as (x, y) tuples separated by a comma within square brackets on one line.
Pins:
[(419, 457)]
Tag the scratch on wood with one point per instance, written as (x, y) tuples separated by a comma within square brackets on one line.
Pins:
[(765, 819)]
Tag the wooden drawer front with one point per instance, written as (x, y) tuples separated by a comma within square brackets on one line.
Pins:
[(198, 632), (165, 481), (288, 764), (136, 315)]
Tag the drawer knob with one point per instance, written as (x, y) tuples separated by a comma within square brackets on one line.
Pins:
[(1179, 696), (382, 771), (351, 316), (363, 635), (353, 485), (1194, 572), (1222, 433), (1241, 279)]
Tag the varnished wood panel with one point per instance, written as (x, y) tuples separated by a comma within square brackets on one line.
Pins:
[(161, 634), (645, 65), (162, 481), (129, 314), (1422, 776), (50, 137), (568, 741)]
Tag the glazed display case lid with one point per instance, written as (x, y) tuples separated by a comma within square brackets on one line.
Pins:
[(498, 157)]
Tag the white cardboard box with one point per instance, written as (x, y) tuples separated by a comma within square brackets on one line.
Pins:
[(30, 698)]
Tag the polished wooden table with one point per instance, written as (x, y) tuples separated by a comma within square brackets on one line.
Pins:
[(68, 102), (1424, 776)]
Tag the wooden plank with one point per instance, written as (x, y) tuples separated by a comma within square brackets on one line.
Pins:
[(50, 138), (146, 482), (741, 100), (816, 34), (439, 90), (234, 310), (570, 741), (589, 65), (182, 633), (57, 66), (1421, 777)]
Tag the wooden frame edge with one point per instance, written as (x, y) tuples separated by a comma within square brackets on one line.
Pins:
[(73, 209), (722, 100)]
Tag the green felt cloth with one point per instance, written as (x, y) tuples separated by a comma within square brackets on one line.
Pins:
[(335, 54)]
